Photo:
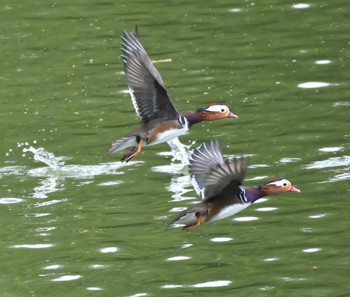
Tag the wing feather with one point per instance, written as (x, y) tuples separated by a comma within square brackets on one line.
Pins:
[(148, 93), (211, 174)]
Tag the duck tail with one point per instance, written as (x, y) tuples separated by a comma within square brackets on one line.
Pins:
[(121, 144)]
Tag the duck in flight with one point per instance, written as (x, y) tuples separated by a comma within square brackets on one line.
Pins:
[(160, 120), (219, 183)]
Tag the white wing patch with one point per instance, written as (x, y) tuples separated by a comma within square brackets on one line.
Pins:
[(133, 100), (199, 190)]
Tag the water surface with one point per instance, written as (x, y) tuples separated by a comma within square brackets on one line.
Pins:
[(77, 222)]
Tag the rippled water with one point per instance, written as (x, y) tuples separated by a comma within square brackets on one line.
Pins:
[(77, 222)]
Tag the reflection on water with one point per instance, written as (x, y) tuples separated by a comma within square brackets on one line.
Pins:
[(66, 278), (331, 162), (245, 219), (10, 200), (178, 258), (313, 85), (331, 149), (221, 239), (82, 229), (341, 173), (301, 5), (211, 284), (311, 250), (33, 246)]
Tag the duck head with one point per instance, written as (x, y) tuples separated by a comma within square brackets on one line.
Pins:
[(277, 186), (214, 112)]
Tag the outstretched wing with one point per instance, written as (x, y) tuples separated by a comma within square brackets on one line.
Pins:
[(148, 93), (205, 157), (212, 175), (202, 159), (226, 178)]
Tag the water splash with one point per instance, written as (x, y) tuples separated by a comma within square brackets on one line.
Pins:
[(52, 176), (58, 168), (46, 157)]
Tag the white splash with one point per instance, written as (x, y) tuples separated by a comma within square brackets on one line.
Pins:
[(48, 158)]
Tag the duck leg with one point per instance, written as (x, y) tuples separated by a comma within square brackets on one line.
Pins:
[(133, 152), (195, 225)]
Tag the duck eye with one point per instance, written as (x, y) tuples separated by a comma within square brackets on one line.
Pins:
[(285, 184), (222, 110)]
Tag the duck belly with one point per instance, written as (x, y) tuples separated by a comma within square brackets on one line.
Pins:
[(229, 211), (168, 135)]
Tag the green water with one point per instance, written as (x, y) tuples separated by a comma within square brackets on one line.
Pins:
[(96, 227)]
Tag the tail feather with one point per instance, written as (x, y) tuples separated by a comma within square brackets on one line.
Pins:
[(122, 144), (185, 217)]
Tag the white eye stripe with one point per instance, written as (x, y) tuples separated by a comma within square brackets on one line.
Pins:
[(282, 183), (217, 108)]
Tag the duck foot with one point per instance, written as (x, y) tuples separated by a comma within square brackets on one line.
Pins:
[(197, 224), (133, 152)]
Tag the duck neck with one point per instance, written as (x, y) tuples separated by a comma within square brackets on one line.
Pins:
[(192, 117), (254, 194)]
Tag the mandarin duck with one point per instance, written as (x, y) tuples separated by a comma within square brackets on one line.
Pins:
[(160, 120), (219, 183)]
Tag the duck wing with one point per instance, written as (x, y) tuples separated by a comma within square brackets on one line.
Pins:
[(148, 93), (212, 175)]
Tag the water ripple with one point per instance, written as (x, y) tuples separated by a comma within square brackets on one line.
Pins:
[(331, 162), (213, 284), (210, 284), (331, 149), (323, 62), (301, 5), (245, 219), (33, 246), (66, 278), (293, 279), (95, 289), (288, 160), (50, 202), (178, 258), (52, 267), (313, 85), (340, 177), (10, 200), (311, 250), (221, 239), (107, 250), (271, 259), (318, 216), (266, 209)]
